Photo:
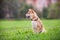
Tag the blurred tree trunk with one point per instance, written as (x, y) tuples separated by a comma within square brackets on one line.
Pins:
[(58, 4), (10, 8), (13, 9), (1, 11)]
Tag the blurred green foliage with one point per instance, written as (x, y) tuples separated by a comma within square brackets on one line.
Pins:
[(23, 10), (18, 8), (45, 12), (54, 11)]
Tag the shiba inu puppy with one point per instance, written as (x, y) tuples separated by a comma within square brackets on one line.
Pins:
[(37, 25)]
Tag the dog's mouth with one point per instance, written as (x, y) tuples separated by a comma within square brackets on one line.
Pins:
[(28, 17)]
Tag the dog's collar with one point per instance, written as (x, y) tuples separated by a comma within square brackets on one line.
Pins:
[(35, 19)]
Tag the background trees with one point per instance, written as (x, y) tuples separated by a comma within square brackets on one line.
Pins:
[(54, 10), (16, 9)]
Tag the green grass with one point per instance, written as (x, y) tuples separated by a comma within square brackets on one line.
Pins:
[(21, 30)]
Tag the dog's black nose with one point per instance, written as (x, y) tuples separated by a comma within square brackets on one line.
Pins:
[(28, 16)]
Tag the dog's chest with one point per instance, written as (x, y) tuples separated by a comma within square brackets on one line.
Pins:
[(34, 23)]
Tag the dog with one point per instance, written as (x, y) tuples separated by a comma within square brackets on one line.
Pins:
[(37, 24)]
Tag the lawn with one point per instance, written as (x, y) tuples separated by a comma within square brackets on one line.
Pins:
[(21, 30)]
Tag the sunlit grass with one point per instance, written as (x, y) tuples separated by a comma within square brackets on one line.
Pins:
[(21, 30)]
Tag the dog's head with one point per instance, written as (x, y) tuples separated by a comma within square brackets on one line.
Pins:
[(31, 14)]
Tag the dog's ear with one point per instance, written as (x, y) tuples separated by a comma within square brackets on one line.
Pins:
[(31, 10)]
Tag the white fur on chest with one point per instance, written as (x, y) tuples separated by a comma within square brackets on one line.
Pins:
[(34, 26), (34, 23)]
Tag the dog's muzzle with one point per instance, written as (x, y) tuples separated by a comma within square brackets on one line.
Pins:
[(27, 16)]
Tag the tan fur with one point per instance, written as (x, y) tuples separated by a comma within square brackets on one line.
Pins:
[(37, 25)]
